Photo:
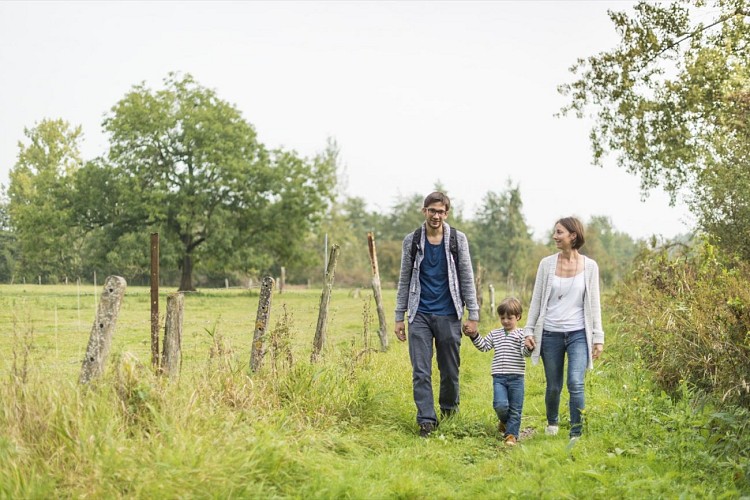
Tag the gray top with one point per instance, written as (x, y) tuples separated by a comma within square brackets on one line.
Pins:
[(409, 289)]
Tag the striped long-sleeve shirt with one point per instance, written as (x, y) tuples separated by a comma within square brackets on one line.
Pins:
[(509, 350)]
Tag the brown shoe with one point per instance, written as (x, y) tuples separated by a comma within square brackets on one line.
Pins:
[(501, 428), (510, 440)]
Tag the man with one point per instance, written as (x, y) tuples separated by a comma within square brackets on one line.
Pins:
[(435, 283)]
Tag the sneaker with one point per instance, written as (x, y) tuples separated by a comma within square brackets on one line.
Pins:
[(572, 442), (501, 428), (510, 440), (552, 430), (425, 429)]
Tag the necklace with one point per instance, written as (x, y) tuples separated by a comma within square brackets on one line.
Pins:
[(561, 295)]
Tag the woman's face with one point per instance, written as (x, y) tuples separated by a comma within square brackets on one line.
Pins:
[(563, 238)]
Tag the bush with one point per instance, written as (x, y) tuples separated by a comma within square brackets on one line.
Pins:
[(688, 310)]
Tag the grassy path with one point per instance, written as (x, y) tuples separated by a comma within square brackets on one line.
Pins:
[(342, 429)]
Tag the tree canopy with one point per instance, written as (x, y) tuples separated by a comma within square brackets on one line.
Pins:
[(672, 102), (186, 163)]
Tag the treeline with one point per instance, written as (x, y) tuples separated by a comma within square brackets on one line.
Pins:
[(183, 163)]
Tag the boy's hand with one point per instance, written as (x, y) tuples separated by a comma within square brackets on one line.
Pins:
[(529, 343), (470, 329)]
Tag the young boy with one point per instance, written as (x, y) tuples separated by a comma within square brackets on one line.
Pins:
[(508, 367)]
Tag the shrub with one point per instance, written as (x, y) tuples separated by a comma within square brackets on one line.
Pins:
[(688, 310)]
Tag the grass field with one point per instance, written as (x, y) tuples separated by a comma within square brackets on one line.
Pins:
[(342, 428)]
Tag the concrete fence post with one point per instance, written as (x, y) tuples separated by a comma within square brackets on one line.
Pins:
[(261, 324), (103, 329)]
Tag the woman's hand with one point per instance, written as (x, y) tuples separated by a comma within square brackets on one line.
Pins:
[(598, 348), (529, 343)]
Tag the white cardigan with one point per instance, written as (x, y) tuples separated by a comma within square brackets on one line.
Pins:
[(592, 311)]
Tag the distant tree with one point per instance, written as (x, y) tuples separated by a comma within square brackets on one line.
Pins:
[(613, 250), (8, 251), (501, 239), (39, 208), (185, 163), (672, 100), (404, 217), (347, 224)]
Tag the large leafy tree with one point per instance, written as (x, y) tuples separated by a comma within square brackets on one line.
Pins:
[(672, 101), (39, 211), (186, 163), (502, 240)]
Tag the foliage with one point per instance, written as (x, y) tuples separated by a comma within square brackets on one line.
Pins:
[(501, 239), (8, 246), (186, 164), (613, 250), (41, 217), (689, 311), (672, 100)]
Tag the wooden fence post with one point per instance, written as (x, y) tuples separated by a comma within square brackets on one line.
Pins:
[(171, 361), (325, 298), (492, 300), (282, 280), (103, 329), (155, 300), (377, 292), (261, 324)]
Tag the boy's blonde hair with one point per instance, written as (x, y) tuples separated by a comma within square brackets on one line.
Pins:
[(510, 306)]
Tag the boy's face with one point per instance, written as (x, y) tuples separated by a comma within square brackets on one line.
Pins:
[(509, 321)]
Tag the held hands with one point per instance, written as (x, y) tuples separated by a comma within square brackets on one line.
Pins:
[(470, 329), (529, 343), (400, 331)]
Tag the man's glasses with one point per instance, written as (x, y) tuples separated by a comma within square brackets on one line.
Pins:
[(434, 212)]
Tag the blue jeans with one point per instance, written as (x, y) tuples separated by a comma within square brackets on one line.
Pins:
[(446, 333), (508, 401), (554, 347)]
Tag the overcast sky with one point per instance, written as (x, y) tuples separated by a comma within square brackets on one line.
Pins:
[(414, 93)]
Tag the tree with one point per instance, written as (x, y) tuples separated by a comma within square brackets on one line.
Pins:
[(501, 240), (39, 210), (186, 163), (8, 252), (613, 250), (672, 100)]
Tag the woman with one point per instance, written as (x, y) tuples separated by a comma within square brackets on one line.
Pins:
[(565, 318)]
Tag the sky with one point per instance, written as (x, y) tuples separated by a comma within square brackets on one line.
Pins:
[(415, 94)]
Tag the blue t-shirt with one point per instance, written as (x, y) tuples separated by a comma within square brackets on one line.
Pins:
[(433, 278)]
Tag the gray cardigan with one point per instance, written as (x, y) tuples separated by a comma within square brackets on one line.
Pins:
[(592, 311), (409, 289)]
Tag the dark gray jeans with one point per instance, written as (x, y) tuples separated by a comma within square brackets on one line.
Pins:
[(446, 332)]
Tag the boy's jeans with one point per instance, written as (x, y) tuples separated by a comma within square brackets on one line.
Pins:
[(508, 401), (554, 347)]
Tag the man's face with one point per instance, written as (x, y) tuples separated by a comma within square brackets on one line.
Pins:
[(435, 214)]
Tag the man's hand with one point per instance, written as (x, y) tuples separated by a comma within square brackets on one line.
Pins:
[(400, 331), (470, 328), (598, 349)]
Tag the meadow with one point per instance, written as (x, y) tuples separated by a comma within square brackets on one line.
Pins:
[(341, 428)]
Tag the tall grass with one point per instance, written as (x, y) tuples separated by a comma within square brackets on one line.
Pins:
[(341, 428)]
